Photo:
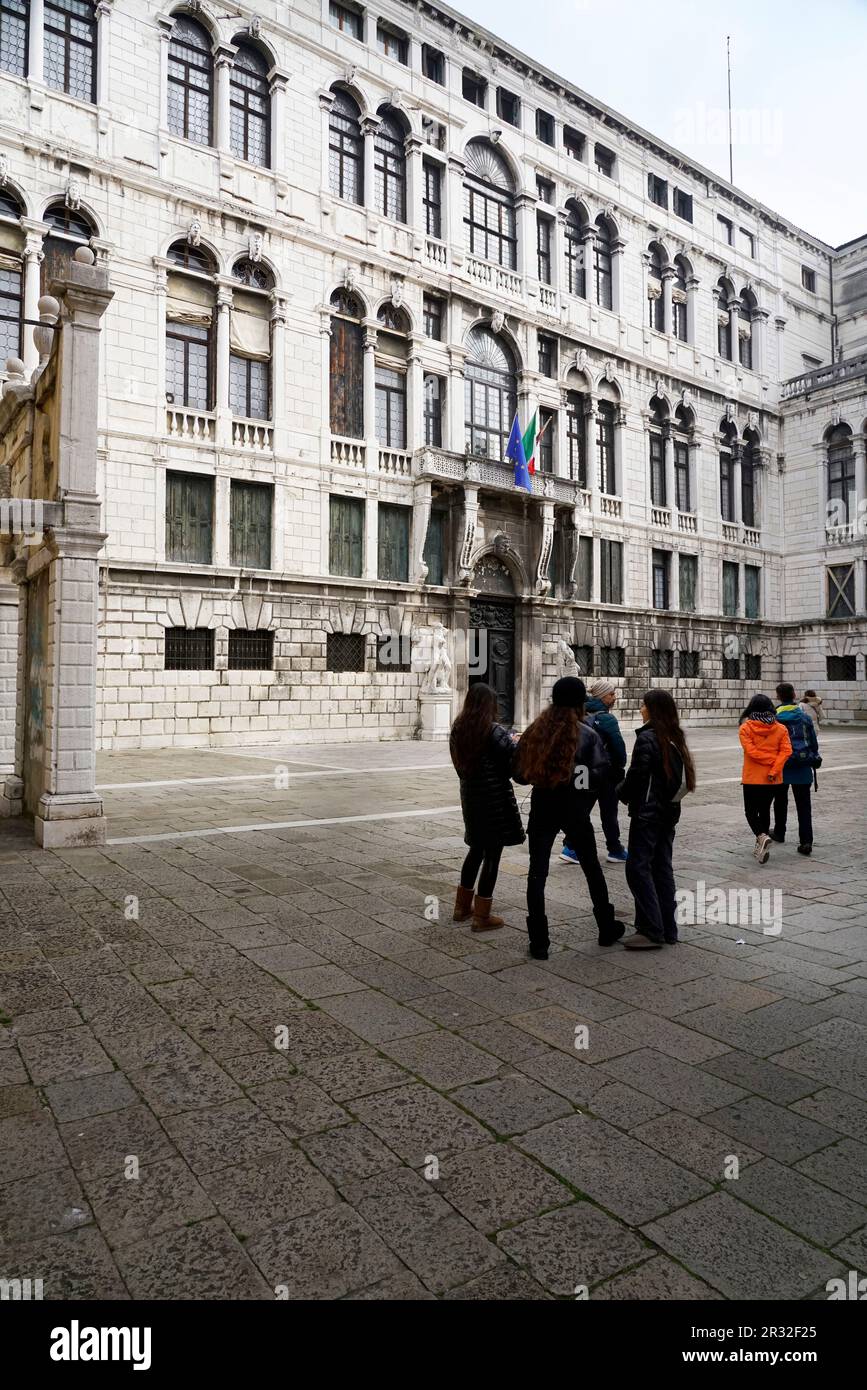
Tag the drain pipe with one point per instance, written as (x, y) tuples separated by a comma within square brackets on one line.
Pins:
[(833, 316)]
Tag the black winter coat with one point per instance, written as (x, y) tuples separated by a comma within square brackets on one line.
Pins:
[(491, 815), (575, 798), (646, 790)]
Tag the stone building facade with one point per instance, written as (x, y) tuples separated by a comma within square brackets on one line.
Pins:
[(346, 244)]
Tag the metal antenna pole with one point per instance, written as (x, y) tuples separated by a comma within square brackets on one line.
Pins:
[(729, 67)]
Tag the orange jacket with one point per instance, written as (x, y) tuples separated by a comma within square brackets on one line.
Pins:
[(766, 750)]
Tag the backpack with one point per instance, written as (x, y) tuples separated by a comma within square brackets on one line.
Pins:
[(604, 734), (802, 750)]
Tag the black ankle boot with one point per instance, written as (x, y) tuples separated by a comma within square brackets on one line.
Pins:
[(610, 930), (539, 940)]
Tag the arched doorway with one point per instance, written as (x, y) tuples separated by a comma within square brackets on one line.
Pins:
[(492, 633)]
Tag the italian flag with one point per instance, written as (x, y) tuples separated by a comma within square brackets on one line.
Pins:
[(531, 441)]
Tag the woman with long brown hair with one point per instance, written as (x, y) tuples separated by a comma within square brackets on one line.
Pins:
[(482, 752), (564, 759), (659, 776)]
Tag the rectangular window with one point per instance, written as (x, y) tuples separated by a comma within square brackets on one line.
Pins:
[(391, 408), (731, 668), (249, 394), (433, 64), (434, 547), (547, 439), (584, 570), (583, 659), (545, 190), (13, 44), (189, 518), (752, 591), (688, 665), (392, 43), (605, 448), (731, 589), (841, 591), (725, 229), (474, 88), (344, 651), (657, 471), (11, 309), (433, 410), (346, 536), (810, 364), (657, 190), (682, 205), (543, 248), (726, 487), (433, 198), (576, 438), (508, 107), (251, 650), (611, 571), (394, 652), (747, 242), (573, 142), (752, 667), (251, 507), (69, 44), (393, 542), (604, 160), (544, 127), (683, 492), (841, 482), (344, 18), (808, 279), (547, 355), (841, 668), (432, 307), (660, 560), (613, 661), (688, 582), (189, 649), (188, 365), (661, 664)]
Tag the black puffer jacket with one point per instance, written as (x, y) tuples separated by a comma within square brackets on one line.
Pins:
[(491, 815), (646, 790), (577, 796)]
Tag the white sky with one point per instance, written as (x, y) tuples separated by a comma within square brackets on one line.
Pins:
[(799, 87)]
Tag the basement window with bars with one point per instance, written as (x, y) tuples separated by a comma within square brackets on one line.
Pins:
[(731, 668), (189, 649), (613, 661), (661, 664), (752, 667), (583, 659), (841, 591), (394, 652), (841, 668), (344, 651), (251, 650), (688, 665)]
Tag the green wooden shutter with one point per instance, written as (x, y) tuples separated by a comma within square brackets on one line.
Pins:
[(688, 570), (393, 556), (250, 525), (346, 536), (434, 548), (584, 569), (189, 518)]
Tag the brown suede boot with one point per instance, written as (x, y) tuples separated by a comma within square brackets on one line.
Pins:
[(463, 905), (483, 920)]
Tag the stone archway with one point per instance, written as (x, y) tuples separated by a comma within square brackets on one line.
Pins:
[(492, 655)]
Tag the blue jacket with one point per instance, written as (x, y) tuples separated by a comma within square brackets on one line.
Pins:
[(797, 772), (608, 729)]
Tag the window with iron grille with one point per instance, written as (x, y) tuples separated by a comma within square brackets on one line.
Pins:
[(661, 664), (392, 43), (682, 205), (249, 395), (344, 651), (394, 652), (605, 447), (251, 507), (682, 489), (544, 127), (434, 547), (573, 142), (250, 107), (346, 536), (752, 667), (251, 650), (191, 81), (189, 649), (508, 107), (547, 355), (188, 365), (11, 310), (389, 164), (543, 248), (841, 473), (604, 160), (433, 64), (391, 408), (660, 562), (393, 542), (433, 410), (657, 190), (752, 591), (69, 47), (544, 190), (602, 265), (584, 570), (657, 470), (345, 150), (189, 518), (546, 443), (14, 16), (576, 438), (726, 487), (583, 659), (841, 668), (731, 668), (688, 582), (433, 198), (611, 572), (731, 588), (573, 244), (688, 665), (432, 307), (841, 591), (612, 661), (474, 88), (346, 19), (726, 229)]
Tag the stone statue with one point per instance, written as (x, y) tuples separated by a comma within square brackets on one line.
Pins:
[(566, 663), (437, 679)]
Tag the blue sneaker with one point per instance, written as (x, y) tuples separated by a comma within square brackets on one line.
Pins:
[(569, 856), (617, 856)]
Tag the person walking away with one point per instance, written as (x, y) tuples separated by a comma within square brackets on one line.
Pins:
[(812, 706), (660, 775), (482, 752), (766, 746), (564, 760), (603, 697), (799, 771)]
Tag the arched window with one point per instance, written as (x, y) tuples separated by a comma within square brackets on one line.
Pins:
[(250, 342), (684, 425), (746, 311), (655, 301), (841, 475), (69, 47), (190, 338), (191, 80), (489, 206), (389, 166), (390, 377), (727, 454), (490, 394), (345, 149), (347, 366), (14, 19), (574, 230), (749, 469), (680, 300), (11, 278), (659, 424), (70, 228), (576, 437), (724, 318), (250, 107), (602, 262)]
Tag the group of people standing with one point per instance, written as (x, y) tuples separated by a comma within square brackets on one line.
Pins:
[(572, 756)]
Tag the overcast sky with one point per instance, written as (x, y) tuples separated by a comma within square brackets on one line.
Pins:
[(799, 78)]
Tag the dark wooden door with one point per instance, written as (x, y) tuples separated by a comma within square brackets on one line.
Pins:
[(492, 654)]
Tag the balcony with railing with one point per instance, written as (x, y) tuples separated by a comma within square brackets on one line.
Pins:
[(191, 426), (610, 506), (348, 453), (844, 534), (730, 531), (834, 374), (660, 516), (496, 277), (436, 253), (396, 462), (687, 522), (255, 435), (549, 299), (752, 536), (495, 476)]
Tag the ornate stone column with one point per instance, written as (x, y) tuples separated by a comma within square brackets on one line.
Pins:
[(526, 225), (618, 246), (668, 456), (278, 372), (369, 396), (278, 81), (421, 510), (369, 127), (590, 450), (34, 233), (414, 395), (546, 541), (35, 41), (668, 276), (415, 184), (221, 402), (224, 56)]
